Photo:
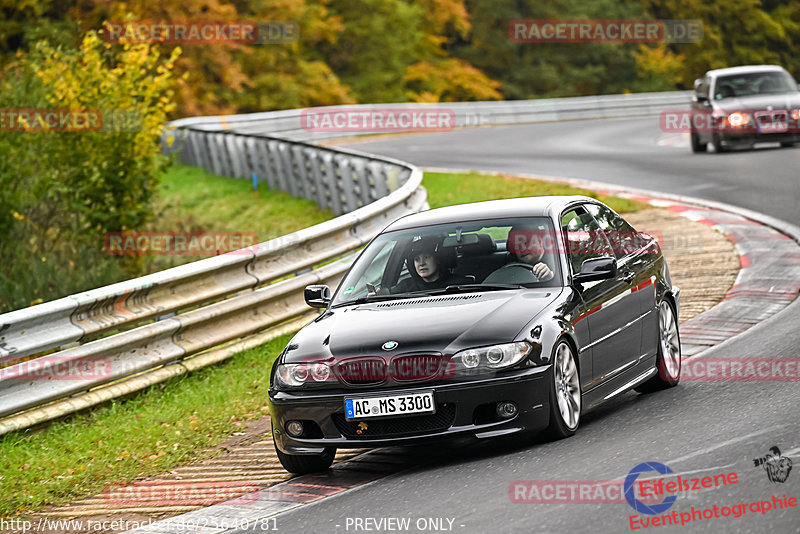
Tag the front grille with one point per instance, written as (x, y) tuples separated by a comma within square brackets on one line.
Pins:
[(373, 370), (361, 371), (421, 367), (399, 426)]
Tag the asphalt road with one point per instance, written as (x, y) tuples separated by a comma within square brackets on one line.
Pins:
[(697, 429)]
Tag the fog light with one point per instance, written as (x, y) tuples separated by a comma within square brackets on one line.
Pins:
[(295, 428), (506, 409)]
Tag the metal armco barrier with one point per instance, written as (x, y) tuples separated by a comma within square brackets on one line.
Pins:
[(213, 301), (287, 124), (219, 305)]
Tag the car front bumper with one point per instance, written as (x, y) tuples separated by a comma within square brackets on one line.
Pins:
[(731, 137), (465, 409)]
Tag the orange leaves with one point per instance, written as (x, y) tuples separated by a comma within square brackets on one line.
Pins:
[(450, 80)]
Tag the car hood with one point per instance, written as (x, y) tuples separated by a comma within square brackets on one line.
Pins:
[(443, 324), (778, 101)]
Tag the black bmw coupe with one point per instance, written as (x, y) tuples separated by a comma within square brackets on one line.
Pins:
[(478, 321)]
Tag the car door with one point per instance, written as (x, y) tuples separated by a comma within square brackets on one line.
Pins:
[(607, 305), (637, 261)]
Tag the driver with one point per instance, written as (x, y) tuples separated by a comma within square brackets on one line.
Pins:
[(424, 263), (526, 245)]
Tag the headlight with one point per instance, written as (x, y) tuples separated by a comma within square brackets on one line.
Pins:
[(737, 120), (493, 357), (298, 374)]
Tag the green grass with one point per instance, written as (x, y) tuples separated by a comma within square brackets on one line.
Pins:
[(193, 200), (167, 425), (446, 189), (175, 422)]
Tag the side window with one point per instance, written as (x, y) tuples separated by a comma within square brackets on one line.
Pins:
[(620, 235), (584, 238)]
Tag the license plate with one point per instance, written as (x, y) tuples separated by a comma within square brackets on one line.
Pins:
[(771, 123), (775, 127), (409, 403)]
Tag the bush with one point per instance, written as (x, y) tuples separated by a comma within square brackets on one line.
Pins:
[(62, 191)]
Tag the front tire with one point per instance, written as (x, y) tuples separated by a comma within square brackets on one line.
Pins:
[(565, 393), (786, 144), (303, 464), (716, 140), (668, 360), (697, 146)]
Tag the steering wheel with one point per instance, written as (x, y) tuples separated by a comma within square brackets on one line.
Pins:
[(508, 268)]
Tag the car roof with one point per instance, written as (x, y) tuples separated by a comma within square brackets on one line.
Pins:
[(745, 69), (544, 206)]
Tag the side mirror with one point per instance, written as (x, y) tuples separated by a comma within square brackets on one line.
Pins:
[(700, 91), (317, 296), (596, 269)]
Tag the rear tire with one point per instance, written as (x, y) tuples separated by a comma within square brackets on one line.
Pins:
[(668, 359), (303, 464), (565, 393), (697, 146)]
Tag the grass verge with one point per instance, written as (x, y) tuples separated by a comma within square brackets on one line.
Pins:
[(166, 425), (177, 421), (446, 189), (191, 199)]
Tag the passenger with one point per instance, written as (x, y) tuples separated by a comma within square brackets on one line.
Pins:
[(427, 271)]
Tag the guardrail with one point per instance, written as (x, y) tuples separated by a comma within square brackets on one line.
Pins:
[(288, 124), (151, 328), (198, 306)]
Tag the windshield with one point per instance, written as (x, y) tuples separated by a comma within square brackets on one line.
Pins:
[(495, 253), (754, 83)]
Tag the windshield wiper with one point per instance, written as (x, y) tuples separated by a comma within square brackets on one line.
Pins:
[(465, 288), (377, 298)]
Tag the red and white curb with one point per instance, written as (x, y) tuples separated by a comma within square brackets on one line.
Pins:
[(255, 512)]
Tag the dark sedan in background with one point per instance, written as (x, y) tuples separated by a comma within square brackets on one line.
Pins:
[(746, 105), (477, 321)]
